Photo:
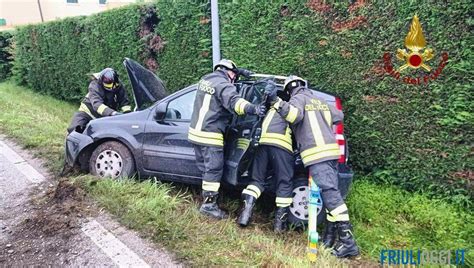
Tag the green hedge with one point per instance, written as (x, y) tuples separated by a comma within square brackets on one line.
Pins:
[(419, 137), (57, 57), (5, 54), (186, 30)]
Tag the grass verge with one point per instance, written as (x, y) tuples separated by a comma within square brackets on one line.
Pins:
[(385, 217)]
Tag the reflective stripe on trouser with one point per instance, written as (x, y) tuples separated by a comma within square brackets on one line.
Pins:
[(210, 186), (340, 213), (282, 163), (325, 176), (283, 201), (210, 161), (253, 190)]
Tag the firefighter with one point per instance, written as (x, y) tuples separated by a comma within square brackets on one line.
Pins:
[(312, 122), (106, 97), (216, 99), (275, 150)]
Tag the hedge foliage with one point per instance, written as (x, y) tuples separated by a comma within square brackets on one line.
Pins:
[(58, 57), (416, 136), (5, 54)]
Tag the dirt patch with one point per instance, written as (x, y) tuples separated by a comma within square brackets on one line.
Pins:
[(44, 237)]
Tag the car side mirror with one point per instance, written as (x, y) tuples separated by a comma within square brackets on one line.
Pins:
[(160, 111)]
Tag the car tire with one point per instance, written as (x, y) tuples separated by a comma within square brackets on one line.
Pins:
[(298, 216), (112, 159)]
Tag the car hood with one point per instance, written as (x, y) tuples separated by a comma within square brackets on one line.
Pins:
[(146, 86)]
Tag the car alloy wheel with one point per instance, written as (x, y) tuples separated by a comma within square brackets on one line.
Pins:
[(109, 164)]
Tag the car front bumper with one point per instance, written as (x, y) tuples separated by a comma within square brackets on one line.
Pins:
[(75, 143)]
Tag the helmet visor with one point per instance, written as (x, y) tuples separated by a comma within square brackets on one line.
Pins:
[(108, 83)]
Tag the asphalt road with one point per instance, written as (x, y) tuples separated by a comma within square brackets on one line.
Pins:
[(37, 231)]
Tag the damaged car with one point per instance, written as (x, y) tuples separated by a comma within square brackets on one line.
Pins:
[(152, 141)]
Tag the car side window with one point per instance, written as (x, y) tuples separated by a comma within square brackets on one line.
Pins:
[(181, 108)]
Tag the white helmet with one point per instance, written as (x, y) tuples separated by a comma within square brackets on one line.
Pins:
[(293, 81), (228, 64)]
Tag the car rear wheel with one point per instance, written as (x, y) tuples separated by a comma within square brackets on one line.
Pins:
[(298, 216), (113, 160)]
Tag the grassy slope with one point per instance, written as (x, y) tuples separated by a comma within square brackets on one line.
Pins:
[(384, 217)]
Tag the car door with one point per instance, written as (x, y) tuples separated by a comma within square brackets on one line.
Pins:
[(243, 135), (166, 149)]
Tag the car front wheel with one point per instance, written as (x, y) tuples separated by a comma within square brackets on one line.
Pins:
[(113, 160)]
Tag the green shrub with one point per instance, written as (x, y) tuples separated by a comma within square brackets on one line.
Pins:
[(5, 54), (418, 137), (57, 57), (186, 29), (390, 218)]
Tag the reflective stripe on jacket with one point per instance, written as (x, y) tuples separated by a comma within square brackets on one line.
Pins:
[(100, 102), (276, 131), (312, 120), (216, 99)]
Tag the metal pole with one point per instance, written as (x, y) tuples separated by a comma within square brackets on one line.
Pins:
[(41, 12), (216, 46)]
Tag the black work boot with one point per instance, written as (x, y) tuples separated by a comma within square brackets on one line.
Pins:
[(209, 206), (247, 209), (329, 234), (281, 217), (346, 246)]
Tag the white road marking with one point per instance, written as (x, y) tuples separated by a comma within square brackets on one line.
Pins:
[(117, 251), (26, 169)]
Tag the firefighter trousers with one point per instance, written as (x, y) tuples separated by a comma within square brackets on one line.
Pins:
[(79, 122), (210, 161), (282, 162), (324, 174)]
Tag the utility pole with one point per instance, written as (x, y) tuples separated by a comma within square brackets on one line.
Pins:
[(216, 46), (41, 12)]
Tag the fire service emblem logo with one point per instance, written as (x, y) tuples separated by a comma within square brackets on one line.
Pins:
[(415, 56)]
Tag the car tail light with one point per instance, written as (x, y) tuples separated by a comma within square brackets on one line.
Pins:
[(340, 134)]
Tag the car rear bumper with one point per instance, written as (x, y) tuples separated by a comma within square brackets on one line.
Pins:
[(75, 143)]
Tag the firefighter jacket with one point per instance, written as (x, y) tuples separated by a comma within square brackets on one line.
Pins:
[(276, 131), (312, 120), (100, 102), (216, 99)]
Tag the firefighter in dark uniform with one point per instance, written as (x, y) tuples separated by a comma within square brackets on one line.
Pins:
[(106, 97), (312, 122), (216, 99), (275, 150)]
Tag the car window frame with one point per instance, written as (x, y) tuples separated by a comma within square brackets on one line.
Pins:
[(172, 97)]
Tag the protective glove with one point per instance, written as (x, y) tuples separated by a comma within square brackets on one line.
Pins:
[(244, 72), (116, 113), (260, 110), (271, 92)]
